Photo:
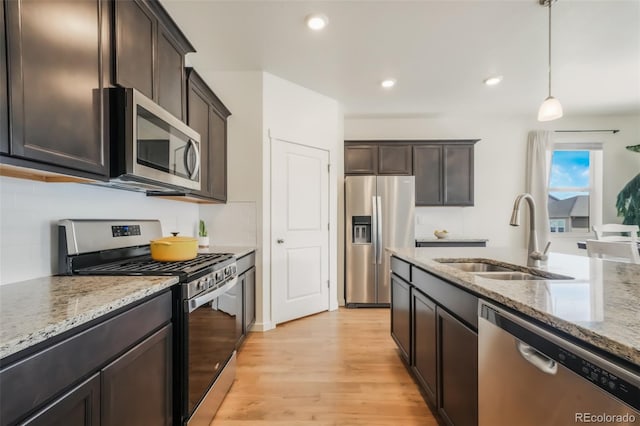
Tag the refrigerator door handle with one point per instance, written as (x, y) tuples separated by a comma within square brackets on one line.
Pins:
[(374, 229), (379, 230)]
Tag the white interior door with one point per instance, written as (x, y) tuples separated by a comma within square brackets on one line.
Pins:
[(299, 230)]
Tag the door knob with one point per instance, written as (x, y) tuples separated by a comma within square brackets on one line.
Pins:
[(279, 241)]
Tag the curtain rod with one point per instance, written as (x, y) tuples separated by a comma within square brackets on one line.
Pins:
[(614, 131)]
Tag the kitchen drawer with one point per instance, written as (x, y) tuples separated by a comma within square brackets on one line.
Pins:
[(45, 374), (246, 262), (401, 268), (460, 303)]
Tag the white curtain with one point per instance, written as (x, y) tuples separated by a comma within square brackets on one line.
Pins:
[(539, 150)]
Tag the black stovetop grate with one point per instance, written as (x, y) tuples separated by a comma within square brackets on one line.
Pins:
[(146, 265)]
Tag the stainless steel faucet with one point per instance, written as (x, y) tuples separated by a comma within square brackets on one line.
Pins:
[(534, 257)]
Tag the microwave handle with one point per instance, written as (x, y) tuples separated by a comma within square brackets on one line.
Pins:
[(192, 144)]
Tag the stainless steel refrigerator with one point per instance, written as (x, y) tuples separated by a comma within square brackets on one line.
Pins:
[(379, 213)]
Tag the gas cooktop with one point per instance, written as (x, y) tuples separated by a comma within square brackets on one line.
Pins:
[(121, 247), (144, 265)]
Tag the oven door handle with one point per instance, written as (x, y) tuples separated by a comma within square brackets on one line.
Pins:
[(196, 302)]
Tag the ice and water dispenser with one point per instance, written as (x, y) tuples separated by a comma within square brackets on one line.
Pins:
[(361, 229)]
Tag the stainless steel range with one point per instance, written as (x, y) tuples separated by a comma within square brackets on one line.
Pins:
[(205, 308)]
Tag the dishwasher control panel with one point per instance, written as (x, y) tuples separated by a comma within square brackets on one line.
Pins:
[(598, 375)]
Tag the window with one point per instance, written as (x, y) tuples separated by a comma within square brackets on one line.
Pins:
[(575, 187), (557, 225)]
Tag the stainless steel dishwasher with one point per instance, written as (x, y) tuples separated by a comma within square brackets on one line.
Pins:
[(530, 376)]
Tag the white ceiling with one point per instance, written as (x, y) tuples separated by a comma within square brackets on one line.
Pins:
[(439, 51)]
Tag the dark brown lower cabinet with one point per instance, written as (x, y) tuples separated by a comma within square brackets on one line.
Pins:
[(438, 320), (78, 407), (137, 387), (425, 343), (239, 294), (246, 301), (401, 315), (249, 299), (127, 356), (458, 366), (4, 99), (246, 296)]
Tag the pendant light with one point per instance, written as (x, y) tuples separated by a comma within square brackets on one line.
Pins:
[(550, 108)]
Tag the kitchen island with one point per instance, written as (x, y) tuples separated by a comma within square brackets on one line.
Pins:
[(599, 306), (435, 298)]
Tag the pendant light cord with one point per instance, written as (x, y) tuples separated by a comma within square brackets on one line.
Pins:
[(550, 1)]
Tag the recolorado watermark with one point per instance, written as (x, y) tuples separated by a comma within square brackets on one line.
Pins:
[(604, 418)]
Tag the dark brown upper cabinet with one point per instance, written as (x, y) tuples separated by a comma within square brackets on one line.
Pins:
[(57, 72), (458, 175), (371, 158), (444, 173), (427, 168), (4, 101), (361, 159), (394, 159), (207, 115), (149, 53), (443, 168), (134, 36)]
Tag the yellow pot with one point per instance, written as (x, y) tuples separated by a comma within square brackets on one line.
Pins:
[(174, 249)]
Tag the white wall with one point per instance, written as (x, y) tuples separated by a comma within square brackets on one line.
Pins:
[(239, 222), (500, 164), (263, 104), (30, 210)]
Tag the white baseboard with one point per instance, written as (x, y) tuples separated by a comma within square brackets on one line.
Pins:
[(262, 326)]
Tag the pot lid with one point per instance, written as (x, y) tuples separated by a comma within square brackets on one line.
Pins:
[(176, 239)]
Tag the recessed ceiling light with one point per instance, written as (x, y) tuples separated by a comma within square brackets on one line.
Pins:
[(388, 83), (316, 21), (493, 80)]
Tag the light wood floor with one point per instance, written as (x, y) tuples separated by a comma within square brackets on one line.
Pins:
[(336, 368)]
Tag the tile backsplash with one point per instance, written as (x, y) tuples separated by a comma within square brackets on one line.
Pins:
[(30, 210), (231, 224)]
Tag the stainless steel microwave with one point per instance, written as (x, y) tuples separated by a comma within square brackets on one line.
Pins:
[(151, 149)]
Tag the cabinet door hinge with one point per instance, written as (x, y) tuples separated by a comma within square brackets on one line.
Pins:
[(328, 168), (328, 283)]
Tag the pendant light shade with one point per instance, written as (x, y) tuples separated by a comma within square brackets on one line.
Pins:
[(550, 108)]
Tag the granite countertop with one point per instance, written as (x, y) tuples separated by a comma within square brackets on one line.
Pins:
[(237, 251), (35, 310), (451, 240), (600, 306)]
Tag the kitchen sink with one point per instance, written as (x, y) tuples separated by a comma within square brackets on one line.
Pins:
[(486, 268), (477, 267), (513, 275)]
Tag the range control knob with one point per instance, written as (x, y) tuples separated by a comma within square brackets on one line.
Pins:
[(201, 285)]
